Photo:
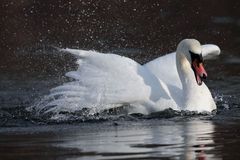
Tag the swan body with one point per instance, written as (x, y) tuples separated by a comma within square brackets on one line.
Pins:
[(199, 97), (104, 81)]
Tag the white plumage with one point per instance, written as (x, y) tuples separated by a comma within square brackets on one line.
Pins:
[(104, 81)]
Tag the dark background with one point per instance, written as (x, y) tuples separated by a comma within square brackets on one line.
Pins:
[(153, 27), (142, 30)]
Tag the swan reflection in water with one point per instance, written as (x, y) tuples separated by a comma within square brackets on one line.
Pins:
[(184, 140)]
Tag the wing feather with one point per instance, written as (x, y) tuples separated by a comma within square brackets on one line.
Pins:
[(100, 80)]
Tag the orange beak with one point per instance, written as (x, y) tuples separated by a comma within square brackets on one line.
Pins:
[(199, 71)]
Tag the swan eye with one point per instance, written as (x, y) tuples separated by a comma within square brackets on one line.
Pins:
[(196, 56)]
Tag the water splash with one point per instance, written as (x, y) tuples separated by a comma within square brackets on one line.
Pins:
[(80, 114)]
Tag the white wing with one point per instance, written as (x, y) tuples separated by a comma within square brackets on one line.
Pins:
[(103, 81), (210, 51), (165, 67)]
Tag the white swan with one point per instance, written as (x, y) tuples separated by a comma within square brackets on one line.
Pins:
[(104, 81)]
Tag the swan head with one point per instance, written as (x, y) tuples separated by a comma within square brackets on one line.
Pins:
[(192, 50)]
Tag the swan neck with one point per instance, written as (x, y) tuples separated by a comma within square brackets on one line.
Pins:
[(186, 73)]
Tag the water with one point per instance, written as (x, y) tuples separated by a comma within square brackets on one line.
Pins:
[(149, 139), (29, 67)]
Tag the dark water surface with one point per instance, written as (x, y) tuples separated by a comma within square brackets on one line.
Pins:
[(29, 67), (149, 139)]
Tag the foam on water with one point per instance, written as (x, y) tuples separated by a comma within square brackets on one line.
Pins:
[(115, 113)]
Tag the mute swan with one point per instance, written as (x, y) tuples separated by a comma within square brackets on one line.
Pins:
[(104, 81)]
